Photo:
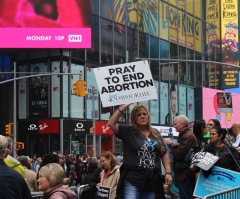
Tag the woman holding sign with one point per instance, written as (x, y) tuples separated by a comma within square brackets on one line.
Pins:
[(109, 176), (143, 149), (228, 155)]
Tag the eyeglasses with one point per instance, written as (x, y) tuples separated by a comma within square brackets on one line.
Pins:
[(210, 124)]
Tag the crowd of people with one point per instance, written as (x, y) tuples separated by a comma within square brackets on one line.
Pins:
[(147, 169)]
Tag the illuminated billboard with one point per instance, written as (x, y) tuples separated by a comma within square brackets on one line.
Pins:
[(45, 24)]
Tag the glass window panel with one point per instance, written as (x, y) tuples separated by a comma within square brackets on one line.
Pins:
[(106, 42), (22, 92), (119, 44), (93, 53), (164, 106), (106, 9), (93, 96), (95, 6), (55, 88), (65, 89), (191, 104), (76, 103)]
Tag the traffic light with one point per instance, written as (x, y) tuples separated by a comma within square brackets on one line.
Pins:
[(76, 88), (8, 129), (19, 145), (83, 88)]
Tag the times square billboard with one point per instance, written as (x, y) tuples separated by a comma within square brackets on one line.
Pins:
[(45, 24)]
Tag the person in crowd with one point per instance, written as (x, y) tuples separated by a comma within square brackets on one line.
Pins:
[(39, 162), (62, 161), (11, 161), (50, 182), (52, 157), (228, 155), (184, 178), (92, 166), (110, 172), (143, 150), (86, 159), (69, 163), (173, 105), (199, 130), (31, 176), (12, 184), (80, 169), (119, 158), (212, 123), (235, 132)]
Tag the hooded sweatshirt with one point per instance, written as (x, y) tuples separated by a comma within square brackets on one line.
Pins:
[(15, 164), (59, 192)]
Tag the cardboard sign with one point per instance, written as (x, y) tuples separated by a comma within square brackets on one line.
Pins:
[(123, 83), (218, 180), (224, 102), (204, 160), (104, 192)]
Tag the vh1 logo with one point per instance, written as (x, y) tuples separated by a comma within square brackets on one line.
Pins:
[(74, 38)]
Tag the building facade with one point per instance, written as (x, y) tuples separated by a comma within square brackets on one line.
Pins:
[(175, 37)]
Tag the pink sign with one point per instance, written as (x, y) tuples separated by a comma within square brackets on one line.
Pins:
[(210, 108), (45, 24)]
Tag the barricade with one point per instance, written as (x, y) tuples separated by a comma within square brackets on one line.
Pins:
[(228, 194)]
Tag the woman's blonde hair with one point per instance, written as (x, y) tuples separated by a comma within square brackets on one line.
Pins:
[(54, 173), (134, 113)]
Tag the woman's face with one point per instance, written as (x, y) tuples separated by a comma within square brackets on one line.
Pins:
[(210, 125), (106, 163), (142, 117), (205, 130), (214, 137), (43, 183)]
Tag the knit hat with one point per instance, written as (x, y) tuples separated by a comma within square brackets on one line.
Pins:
[(3, 142)]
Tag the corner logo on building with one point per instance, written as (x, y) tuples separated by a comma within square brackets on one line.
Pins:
[(79, 127)]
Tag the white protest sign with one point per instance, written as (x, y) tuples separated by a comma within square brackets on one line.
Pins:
[(204, 160), (123, 83)]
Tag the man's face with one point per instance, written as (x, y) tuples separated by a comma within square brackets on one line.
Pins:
[(235, 131), (173, 100), (178, 125)]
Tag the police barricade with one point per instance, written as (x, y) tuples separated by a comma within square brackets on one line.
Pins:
[(228, 194)]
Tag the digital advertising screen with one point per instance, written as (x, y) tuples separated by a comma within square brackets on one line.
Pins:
[(45, 24)]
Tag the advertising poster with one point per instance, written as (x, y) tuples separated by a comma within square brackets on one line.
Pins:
[(191, 104), (229, 19), (38, 97), (182, 100), (218, 180), (213, 30), (210, 107), (164, 104), (123, 83), (224, 101), (45, 24)]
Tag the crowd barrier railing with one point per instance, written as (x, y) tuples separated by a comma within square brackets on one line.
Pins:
[(233, 193)]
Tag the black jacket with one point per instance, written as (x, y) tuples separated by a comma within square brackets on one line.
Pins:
[(228, 156), (12, 184)]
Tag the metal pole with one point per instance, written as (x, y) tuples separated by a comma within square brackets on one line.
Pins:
[(94, 130), (61, 135), (14, 110)]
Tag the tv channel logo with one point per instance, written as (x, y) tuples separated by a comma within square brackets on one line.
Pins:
[(74, 38)]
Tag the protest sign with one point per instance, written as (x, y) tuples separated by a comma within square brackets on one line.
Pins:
[(218, 180), (224, 102), (204, 160), (123, 83), (104, 192)]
